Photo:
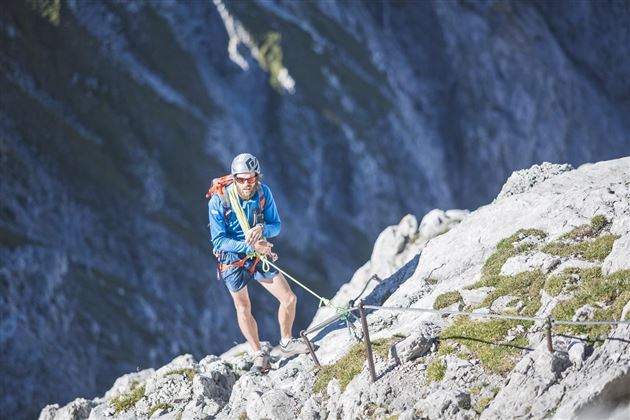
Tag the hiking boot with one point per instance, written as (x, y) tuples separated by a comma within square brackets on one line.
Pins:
[(294, 346), (261, 362)]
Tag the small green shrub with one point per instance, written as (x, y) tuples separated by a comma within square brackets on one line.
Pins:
[(436, 371), (598, 222), (447, 299)]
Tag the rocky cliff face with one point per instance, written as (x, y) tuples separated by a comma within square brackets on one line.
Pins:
[(554, 243), (114, 115)]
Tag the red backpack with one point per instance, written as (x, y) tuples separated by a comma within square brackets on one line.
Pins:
[(218, 188)]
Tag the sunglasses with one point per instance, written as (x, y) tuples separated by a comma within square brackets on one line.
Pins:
[(249, 180)]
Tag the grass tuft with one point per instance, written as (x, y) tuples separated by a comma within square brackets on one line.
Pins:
[(598, 222), (592, 250), (447, 299), (127, 401), (436, 371)]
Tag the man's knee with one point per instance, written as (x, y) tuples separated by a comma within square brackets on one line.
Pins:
[(243, 307), (290, 299)]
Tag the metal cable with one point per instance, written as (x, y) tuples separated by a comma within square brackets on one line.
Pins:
[(474, 314)]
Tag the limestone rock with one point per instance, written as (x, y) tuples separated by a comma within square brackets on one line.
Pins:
[(619, 257), (506, 303), (475, 296), (522, 181), (412, 347), (530, 379), (437, 222), (445, 403), (78, 409), (529, 262)]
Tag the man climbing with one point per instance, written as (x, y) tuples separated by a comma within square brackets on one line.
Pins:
[(238, 249)]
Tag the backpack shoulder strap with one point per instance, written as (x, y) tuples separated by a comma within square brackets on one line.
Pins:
[(225, 203), (261, 197)]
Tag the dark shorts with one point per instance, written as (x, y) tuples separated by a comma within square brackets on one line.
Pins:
[(235, 278)]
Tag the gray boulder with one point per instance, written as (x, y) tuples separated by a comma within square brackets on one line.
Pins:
[(619, 257)]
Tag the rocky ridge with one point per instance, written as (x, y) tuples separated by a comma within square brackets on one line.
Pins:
[(534, 252)]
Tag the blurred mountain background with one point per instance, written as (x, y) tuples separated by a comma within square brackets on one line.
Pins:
[(115, 115)]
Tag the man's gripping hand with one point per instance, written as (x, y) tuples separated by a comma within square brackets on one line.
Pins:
[(263, 247), (254, 235)]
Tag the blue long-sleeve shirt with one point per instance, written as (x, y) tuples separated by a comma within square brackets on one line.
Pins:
[(227, 236)]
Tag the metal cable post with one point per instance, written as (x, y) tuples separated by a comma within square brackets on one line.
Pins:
[(366, 339), (548, 322), (310, 348)]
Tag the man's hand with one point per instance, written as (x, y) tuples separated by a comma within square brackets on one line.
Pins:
[(263, 247), (254, 235)]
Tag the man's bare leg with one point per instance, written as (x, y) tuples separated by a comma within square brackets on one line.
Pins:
[(280, 289), (246, 320)]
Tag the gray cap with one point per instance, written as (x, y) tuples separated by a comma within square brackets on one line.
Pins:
[(244, 163)]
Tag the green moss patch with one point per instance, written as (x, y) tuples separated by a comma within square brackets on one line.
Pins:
[(447, 299), (445, 349), (606, 294), (483, 339), (127, 401), (436, 371), (554, 284), (525, 286), (598, 222), (592, 250), (565, 282), (584, 242)]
